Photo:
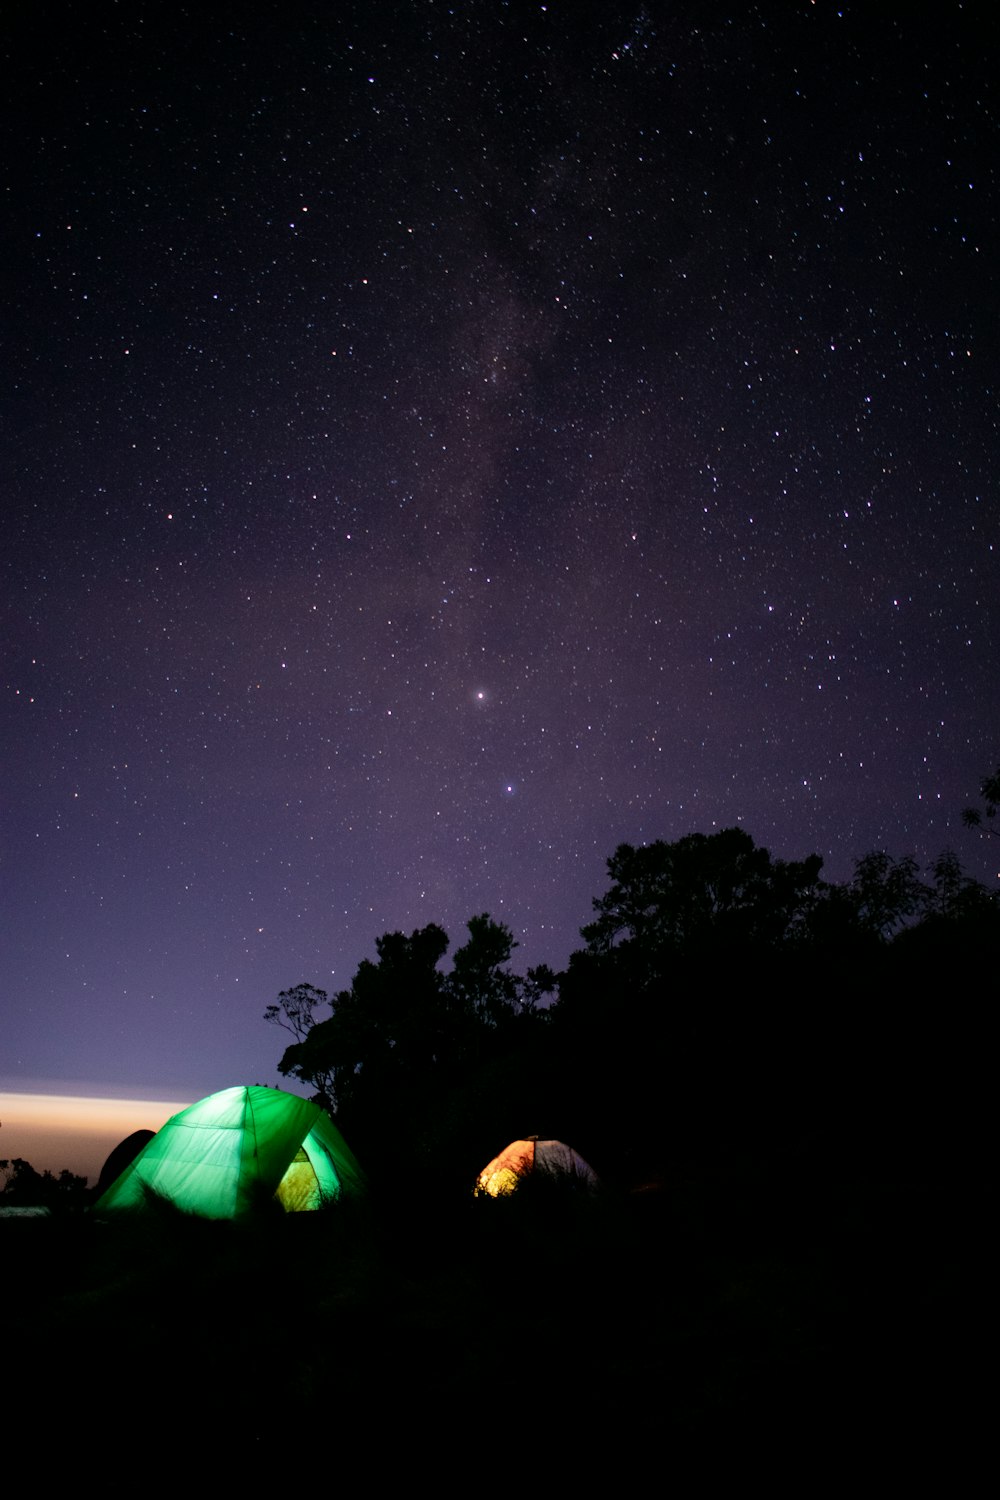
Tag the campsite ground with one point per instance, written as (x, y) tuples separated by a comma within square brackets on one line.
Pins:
[(716, 1309)]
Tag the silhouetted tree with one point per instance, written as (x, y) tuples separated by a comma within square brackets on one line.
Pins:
[(989, 790), (482, 980), (702, 891), (295, 1009), (24, 1187), (886, 893), (955, 894), (393, 1012), (403, 1019)]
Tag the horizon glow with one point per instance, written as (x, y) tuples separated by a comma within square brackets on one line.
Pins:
[(74, 1131)]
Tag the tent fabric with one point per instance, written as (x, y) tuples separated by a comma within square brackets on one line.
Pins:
[(224, 1154), (520, 1159)]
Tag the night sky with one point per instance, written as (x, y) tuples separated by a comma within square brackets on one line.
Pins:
[(444, 441)]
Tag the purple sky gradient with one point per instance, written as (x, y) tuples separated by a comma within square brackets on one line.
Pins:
[(442, 444)]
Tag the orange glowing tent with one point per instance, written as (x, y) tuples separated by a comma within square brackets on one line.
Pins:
[(545, 1159)]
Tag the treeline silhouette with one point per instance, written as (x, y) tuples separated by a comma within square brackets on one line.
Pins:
[(22, 1187), (723, 1002)]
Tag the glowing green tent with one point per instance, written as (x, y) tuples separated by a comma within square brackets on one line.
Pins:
[(237, 1148)]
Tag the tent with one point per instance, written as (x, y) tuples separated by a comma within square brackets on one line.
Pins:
[(234, 1149), (122, 1156), (547, 1159)]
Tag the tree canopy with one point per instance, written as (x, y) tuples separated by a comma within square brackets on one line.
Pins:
[(989, 790), (702, 890), (708, 961), (403, 1017)]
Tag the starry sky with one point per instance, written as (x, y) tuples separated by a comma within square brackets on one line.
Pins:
[(443, 441)]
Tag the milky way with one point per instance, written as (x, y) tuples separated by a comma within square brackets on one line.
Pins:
[(444, 443)]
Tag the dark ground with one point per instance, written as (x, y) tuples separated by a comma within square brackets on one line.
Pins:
[(811, 1300)]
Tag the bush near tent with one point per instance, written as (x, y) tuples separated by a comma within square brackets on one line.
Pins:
[(226, 1154), (544, 1159)]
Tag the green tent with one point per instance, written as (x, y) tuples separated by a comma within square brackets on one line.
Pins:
[(228, 1152)]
